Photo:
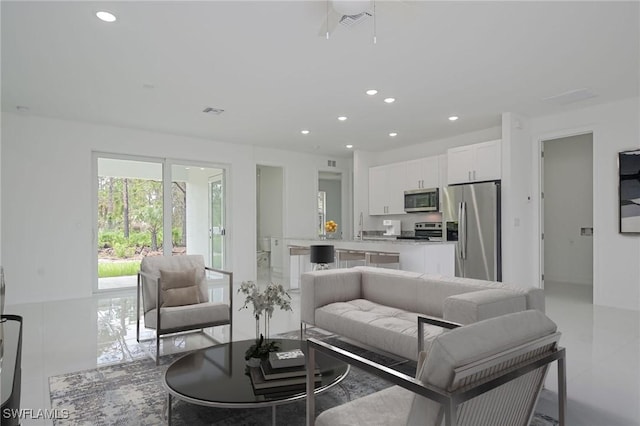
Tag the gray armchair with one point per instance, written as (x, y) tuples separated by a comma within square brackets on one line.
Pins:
[(487, 373), (175, 297)]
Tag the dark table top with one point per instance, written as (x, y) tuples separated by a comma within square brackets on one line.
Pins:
[(218, 376)]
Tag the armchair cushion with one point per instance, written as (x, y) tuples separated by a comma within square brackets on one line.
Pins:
[(180, 296), (383, 408), (186, 317), (150, 272), (470, 343), (179, 288)]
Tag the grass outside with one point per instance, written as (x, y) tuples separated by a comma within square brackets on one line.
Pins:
[(118, 269)]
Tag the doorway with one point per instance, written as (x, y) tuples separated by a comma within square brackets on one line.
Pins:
[(567, 216), (269, 223), (330, 204)]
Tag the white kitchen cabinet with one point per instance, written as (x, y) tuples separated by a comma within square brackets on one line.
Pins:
[(422, 174), (386, 189), (377, 186), (474, 163)]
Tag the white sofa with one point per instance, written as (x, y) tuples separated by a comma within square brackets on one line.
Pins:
[(379, 307)]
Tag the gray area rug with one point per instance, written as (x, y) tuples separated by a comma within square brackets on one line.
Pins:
[(132, 394)]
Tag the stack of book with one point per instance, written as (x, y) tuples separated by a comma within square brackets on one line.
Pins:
[(283, 372)]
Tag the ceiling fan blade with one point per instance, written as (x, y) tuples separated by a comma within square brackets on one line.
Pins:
[(329, 23)]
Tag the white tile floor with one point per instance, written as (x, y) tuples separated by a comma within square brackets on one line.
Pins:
[(603, 348)]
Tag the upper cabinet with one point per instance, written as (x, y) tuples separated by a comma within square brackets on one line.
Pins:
[(474, 163), (422, 174), (386, 189)]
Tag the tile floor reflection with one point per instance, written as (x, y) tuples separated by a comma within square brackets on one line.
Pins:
[(603, 347)]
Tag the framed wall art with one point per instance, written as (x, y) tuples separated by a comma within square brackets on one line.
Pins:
[(629, 187)]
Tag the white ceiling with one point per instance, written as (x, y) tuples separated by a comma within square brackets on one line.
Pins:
[(265, 64)]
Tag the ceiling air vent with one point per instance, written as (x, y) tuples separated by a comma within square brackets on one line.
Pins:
[(331, 163), (351, 20), (571, 96), (214, 111)]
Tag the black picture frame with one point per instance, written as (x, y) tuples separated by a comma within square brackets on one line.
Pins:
[(629, 192)]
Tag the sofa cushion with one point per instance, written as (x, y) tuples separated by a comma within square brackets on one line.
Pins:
[(471, 343), (438, 287), (390, 329), (478, 305), (321, 288), (398, 289)]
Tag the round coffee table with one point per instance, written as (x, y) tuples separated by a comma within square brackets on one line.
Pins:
[(217, 377)]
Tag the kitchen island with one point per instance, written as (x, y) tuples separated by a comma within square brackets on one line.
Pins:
[(431, 257)]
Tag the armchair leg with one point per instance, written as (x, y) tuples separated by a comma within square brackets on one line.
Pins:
[(562, 391), (157, 348)]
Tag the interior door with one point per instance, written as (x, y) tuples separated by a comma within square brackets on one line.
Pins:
[(481, 231)]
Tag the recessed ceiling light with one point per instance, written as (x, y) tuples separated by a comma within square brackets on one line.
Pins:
[(342, 118), (453, 118), (305, 132), (106, 16), (393, 134), (371, 92), (349, 146), (390, 100)]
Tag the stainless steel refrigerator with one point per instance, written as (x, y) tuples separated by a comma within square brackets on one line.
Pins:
[(472, 218)]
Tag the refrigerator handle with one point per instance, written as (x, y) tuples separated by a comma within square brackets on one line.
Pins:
[(463, 230), (460, 231)]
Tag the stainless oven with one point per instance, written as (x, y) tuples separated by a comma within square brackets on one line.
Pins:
[(421, 200)]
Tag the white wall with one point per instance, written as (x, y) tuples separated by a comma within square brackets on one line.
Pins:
[(568, 206), (517, 215), (47, 211), (615, 126)]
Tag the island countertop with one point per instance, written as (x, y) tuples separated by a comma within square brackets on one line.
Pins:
[(367, 240), (430, 257)]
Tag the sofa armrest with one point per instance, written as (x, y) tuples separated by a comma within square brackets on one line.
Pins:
[(320, 288), (479, 305)]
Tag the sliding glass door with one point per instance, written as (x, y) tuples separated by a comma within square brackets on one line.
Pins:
[(198, 225), (150, 207), (130, 217)]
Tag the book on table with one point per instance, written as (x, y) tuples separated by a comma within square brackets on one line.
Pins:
[(271, 373), (284, 359), (278, 385)]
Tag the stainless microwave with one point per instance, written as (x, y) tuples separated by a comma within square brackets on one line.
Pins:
[(421, 200)]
